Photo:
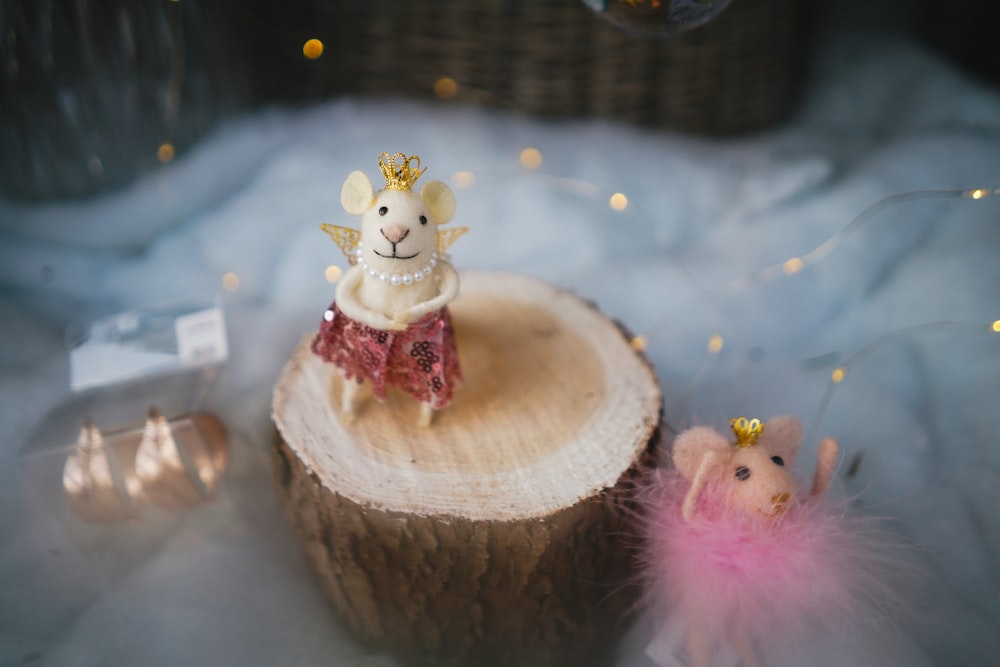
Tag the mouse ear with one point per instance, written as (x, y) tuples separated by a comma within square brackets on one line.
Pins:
[(782, 436), (357, 195), (692, 445), (439, 201)]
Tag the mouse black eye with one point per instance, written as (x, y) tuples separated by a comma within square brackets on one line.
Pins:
[(743, 473), (383, 210), (423, 220), (778, 461)]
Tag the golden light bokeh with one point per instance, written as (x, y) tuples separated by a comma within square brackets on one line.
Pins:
[(715, 344), (463, 179), (445, 88), (640, 343), (979, 193), (995, 326), (312, 49), (332, 273), (793, 265), (618, 201), (838, 375), (230, 282), (531, 158), (165, 153)]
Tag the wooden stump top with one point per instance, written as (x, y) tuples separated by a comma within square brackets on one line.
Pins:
[(554, 406)]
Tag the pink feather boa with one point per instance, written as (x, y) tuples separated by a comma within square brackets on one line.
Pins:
[(771, 576)]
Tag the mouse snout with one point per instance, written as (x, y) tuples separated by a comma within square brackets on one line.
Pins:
[(394, 233), (779, 502)]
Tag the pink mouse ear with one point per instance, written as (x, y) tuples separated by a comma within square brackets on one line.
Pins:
[(782, 436), (691, 446)]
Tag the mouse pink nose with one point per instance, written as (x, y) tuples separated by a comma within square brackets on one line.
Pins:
[(394, 233)]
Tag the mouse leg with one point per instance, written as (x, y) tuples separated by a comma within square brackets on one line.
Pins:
[(741, 642), (698, 648), (349, 399), (426, 415)]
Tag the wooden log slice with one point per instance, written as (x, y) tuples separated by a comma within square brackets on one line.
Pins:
[(502, 532)]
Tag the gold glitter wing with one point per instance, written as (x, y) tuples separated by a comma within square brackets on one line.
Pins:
[(346, 238), (448, 236)]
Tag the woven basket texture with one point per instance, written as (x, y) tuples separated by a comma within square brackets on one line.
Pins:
[(552, 58)]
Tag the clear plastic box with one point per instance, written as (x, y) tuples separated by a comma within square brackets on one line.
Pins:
[(131, 448)]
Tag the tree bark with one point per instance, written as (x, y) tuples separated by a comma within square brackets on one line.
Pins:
[(504, 532)]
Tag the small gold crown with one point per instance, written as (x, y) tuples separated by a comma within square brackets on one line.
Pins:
[(747, 431), (400, 171)]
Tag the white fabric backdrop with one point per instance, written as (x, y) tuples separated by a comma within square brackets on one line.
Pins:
[(227, 584)]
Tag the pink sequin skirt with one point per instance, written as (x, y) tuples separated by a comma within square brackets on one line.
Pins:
[(422, 359)]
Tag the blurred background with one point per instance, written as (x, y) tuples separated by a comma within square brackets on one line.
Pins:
[(95, 93), (792, 205)]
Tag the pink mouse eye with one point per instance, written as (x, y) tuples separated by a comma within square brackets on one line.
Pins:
[(423, 220), (743, 473), (383, 210), (778, 461)]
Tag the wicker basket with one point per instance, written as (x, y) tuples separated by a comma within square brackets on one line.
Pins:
[(90, 92), (553, 58)]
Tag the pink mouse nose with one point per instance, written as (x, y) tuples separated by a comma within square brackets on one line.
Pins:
[(394, 233)]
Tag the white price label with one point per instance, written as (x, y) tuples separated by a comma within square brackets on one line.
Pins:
[(201, 338)]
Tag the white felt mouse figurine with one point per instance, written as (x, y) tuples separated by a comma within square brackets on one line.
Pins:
[(389, 323)]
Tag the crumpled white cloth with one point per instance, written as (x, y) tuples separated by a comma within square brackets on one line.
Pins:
[(228, 583)]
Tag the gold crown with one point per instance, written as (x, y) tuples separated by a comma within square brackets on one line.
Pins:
[(400, 171), (747, 431)]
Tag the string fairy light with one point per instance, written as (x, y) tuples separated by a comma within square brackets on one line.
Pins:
[(839, 374), (446, 88), (463, 179), (530, 158), (794, 265), (312, 49), (165, 153), (618, 201), (230, 282)]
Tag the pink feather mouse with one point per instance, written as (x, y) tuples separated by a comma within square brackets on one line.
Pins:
[(737, 556)]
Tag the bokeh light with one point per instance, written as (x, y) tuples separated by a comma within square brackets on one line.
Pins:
[(793, 265), (531, 158), (165, 153), (312, 49), (230, 282), (445, 88), (463, 179)]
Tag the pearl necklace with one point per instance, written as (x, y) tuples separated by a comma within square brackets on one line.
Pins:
[(397, 279)]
